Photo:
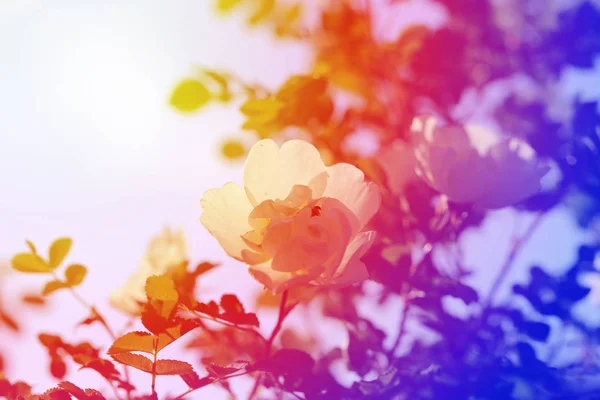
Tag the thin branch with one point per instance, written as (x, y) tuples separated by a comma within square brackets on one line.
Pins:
[(190, 390), (102, 321), (509, 262), (282, 314), (225, 323), (402, 327), (256, 386)]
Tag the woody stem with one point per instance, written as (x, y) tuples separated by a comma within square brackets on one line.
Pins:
[(155, 354), (283, 312)]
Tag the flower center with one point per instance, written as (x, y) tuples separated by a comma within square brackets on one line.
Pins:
[(298, 234)]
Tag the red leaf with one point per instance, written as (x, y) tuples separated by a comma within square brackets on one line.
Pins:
[(134, 360), (233, 311), (292, 363), (80, 394), (93, 394), (103, 367), (56, 394), (73, 389), (51, 342), (5, 387), (219, 371), (231, 304), (211, 308), (174, 333), (93, 317), (58, 368), (192, 379), (154, 318), (203, 268)]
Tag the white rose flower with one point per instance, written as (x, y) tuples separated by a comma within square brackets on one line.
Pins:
[(295, 221), (165, 252), (470, 165)]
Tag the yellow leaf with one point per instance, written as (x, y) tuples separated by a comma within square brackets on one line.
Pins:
[(75, 274), (287, 18), (233, 149), (269, 106), (190, 95), (31, 246), (53, 286), (27, 262), (161, 287), (293, 13), (263, 11), (58, 251), (221, 81), (227, 5)]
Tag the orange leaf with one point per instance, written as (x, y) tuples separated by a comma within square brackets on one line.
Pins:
[(9, 321), (33, 300), (133, 341), (75, 274), (58, 251), (161, 287), (53, 286), (134, 360), (162, 299), (203, 268), (27, 262), (174, 333), (172, 367)]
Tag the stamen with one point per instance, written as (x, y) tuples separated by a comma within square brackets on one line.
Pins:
[(316, 211)]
